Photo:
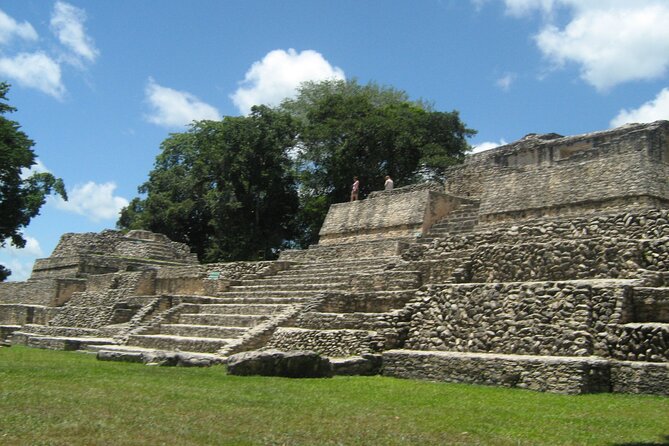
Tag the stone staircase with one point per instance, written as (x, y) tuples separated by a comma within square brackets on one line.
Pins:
[(462, 220), (251, 310)]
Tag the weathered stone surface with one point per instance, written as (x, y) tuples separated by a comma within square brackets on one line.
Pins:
[(291, 364), (549, 271), (365, 365)]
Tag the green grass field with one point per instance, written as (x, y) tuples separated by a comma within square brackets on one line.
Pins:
[(69, 398)]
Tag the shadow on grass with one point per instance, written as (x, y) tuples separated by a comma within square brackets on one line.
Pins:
[(663, 443)]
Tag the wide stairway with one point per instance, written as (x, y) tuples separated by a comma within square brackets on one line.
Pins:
[(248, 313)]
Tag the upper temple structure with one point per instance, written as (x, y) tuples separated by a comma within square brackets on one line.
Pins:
[(542, 264)]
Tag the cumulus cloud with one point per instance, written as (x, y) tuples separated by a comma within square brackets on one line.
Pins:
[(34, 70), (612, 41), (20, 260), (487, 146), (67, 23), (278, 75), (10, 28), (95, 201), (653, 110), (32, 248), (173, 108)]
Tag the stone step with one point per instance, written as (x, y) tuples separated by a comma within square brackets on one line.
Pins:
[(257, 298), (48, 330), (346, 263), (342, 321), (182, 343), (245, 309), (204, 331), (335, 343), (228, 320), (57, 342), (128, 353), (560, 374), (6, 331), (307, 280), (330, 271), (268, 294), (274, 286)]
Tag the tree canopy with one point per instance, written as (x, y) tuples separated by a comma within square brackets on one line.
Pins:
[(244, 187), (368, 131), (224, 187), (21, 194)]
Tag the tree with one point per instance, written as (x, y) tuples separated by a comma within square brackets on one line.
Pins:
[(21, 196), (224, 187), (230, 189), (349, 129)]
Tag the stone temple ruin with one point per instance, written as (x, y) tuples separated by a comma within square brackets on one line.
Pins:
[(542, 264)]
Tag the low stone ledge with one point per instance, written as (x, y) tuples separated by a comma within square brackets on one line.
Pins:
[(569, 375), (365, 365), (289, 364), (640, 377), (158, 357)]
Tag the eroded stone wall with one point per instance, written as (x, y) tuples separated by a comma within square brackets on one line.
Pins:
[(552, 175), (535, 318), (402, 213)]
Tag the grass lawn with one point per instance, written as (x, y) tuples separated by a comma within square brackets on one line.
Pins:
[(68, 398)]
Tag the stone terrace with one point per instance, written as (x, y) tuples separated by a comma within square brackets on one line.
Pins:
[(515, 277)]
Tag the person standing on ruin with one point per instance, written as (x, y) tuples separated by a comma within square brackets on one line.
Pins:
[(355, 189), (389, 184)]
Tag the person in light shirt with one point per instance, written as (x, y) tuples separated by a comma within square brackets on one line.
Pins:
[(388, 185)]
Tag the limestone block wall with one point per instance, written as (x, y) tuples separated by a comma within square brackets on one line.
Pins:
[(538, 318), (545, 374), (551, 175), (135, 244), (605, 246), (568, 184), (49, 292), (20, 314), (559, 260), (246, 270), (372, 248), (94, 308), (402, 214), (334, 343)]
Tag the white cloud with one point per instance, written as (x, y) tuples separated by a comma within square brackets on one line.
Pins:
[(20, 260), (505, 81), (95, 201), (487, 146), (173, 108), (67, 23), (277, 76), (10, 28), (653, 110), (524, 7), (32, 248), (34, 70), (612, 41)]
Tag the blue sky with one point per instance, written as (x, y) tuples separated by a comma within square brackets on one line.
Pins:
[(100, 84)]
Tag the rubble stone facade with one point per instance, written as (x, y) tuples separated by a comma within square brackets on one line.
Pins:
[(543, 264)]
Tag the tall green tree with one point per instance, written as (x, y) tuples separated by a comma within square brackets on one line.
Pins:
[(348, 129), (21, 194), (224, 187)]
